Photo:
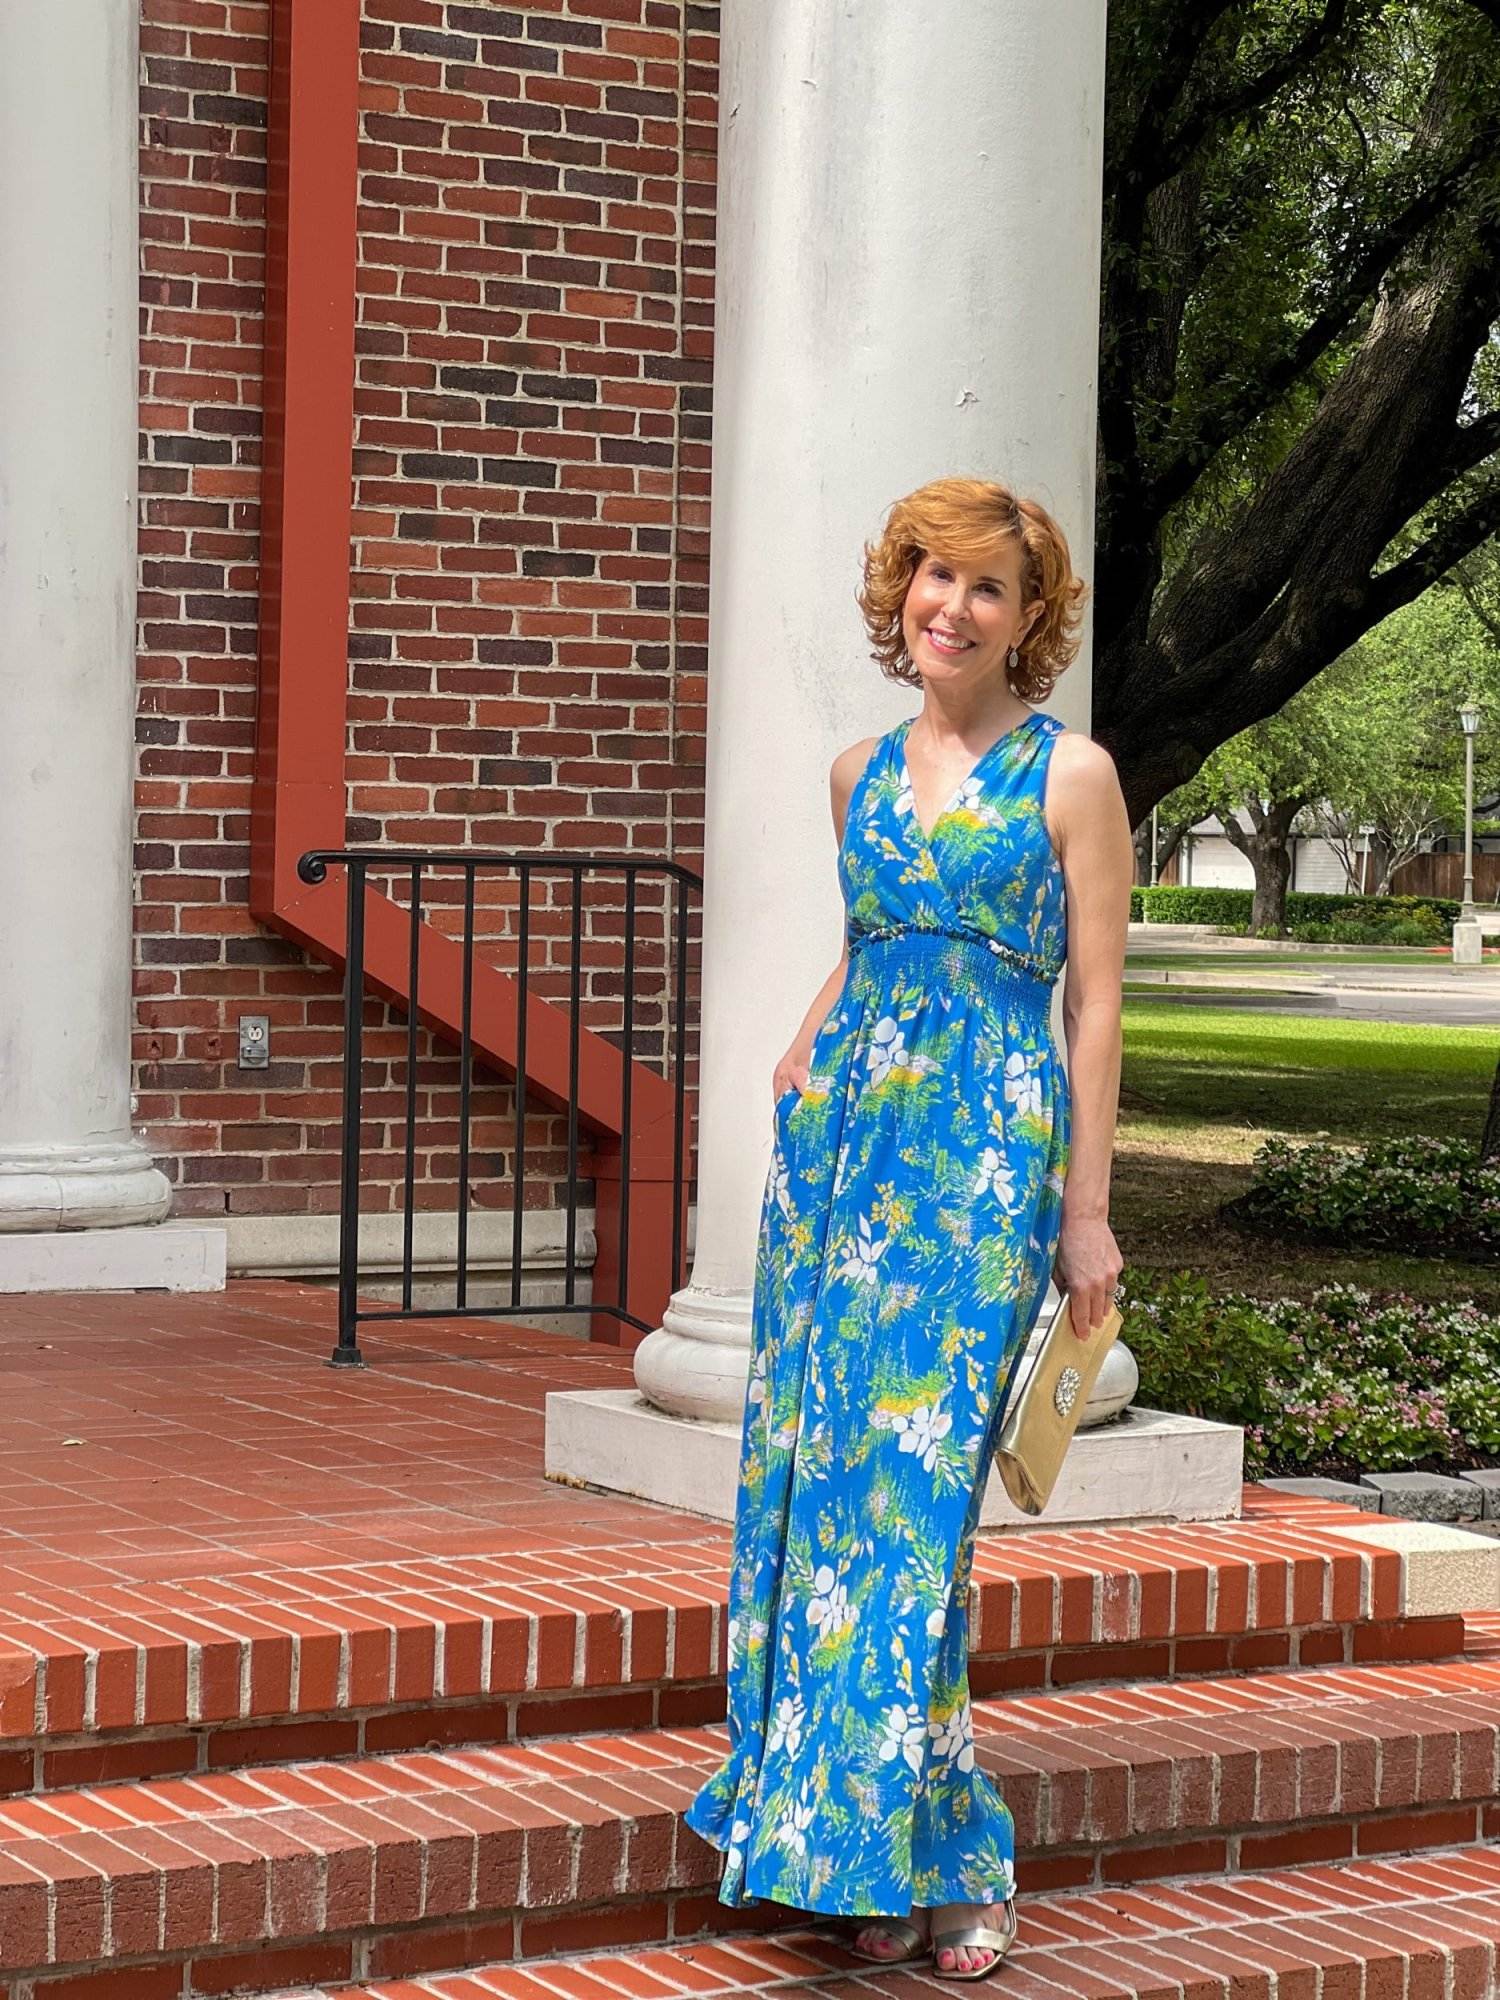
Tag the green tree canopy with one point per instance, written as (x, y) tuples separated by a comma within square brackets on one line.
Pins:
[(1299, 372)]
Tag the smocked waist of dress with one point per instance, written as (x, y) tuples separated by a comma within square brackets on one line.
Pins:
[(998, 970)]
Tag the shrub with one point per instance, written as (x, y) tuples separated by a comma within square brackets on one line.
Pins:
[(1342, 1382), (1173, 903), (1429, 1196)]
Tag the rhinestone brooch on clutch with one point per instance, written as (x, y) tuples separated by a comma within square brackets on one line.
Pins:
[(1066, 1390)]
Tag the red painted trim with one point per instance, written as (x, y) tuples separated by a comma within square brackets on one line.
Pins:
[(306, 522), (307, 493)]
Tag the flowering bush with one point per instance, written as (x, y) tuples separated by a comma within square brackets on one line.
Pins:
[(1425, 1195), (1341, 1383)]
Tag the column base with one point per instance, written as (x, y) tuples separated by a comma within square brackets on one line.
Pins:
[(1144, 1465), (177, 1259), (67, 1187), (697, 1362)]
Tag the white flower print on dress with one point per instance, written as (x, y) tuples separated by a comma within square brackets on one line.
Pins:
[(887, 1050), (904, 1735), (792, 1832), (862, 1255), (996, 1175), (786, 1726), (738, 1835), (1023, 1087), (920, 1431), (953, 1738), (829, 1608)]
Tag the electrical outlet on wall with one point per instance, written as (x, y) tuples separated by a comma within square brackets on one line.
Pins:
[(255, 1041)]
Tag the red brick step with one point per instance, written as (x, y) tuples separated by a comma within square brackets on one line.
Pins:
[(1426, 1928), (199, 1673), (345, 1870)]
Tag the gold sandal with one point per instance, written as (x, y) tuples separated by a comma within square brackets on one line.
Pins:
[(917, 1943), (977, 1937)]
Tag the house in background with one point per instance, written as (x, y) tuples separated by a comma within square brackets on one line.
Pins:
[(1207, 858)]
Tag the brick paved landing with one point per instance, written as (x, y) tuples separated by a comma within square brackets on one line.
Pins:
[(158, 1436)]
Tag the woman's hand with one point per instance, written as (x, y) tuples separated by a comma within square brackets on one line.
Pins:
[(793, 1068), (1087, 1268)]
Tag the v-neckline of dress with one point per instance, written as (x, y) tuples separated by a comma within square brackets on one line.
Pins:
[(923, 834)]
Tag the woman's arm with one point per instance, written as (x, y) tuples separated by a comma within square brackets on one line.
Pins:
[(793, 1066), (1087, 818)]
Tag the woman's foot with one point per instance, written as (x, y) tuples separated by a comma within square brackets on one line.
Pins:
[(967, 1957), (878, 1939)]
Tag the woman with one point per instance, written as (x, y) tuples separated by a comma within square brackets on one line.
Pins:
[(932, 1164)]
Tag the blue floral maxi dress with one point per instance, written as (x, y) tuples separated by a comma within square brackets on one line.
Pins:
[(911, 1216)]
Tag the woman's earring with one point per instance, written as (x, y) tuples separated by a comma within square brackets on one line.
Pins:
[(1015, 659)]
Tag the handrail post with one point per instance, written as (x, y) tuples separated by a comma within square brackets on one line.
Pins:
[(347, 1354)]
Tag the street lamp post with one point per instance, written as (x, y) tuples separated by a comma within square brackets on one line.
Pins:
[(1470, 923), (1468, 717)]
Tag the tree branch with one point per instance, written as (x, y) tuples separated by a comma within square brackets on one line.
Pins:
[(1172, 60), (1458, 537), (1227, 106), (1167, 487), (1471, 443), (1469, 592)]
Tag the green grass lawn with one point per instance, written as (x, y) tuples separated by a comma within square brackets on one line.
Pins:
[(1201, 1088)]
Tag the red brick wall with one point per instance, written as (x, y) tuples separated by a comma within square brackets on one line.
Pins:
[(527, 634)]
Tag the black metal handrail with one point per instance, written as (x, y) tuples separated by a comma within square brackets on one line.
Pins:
[(417, 866)]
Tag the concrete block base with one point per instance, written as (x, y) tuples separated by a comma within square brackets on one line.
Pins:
[(1426, 1496), (1468, 942), (1487, 1479), (1145, 1465), (1344, 1491), (152, 1259)]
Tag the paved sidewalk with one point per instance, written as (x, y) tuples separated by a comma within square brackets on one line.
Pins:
[(1431, 990)]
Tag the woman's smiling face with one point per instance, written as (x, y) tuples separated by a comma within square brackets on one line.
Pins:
[(964, 617)]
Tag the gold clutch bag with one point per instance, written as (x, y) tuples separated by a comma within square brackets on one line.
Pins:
[(1043, 1415)]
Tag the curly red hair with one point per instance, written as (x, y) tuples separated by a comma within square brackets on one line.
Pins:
[(965, 519)]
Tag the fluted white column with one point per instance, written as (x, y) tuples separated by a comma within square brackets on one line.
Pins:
[(908, 286), (68, 429)]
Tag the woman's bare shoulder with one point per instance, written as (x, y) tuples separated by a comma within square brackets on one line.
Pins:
[(1083, 793), (1081, 762), (848, 764), (844, 776)]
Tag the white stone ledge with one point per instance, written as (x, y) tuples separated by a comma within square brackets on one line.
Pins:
[(1443, 1569), (1146, 1465), (157, 1259)]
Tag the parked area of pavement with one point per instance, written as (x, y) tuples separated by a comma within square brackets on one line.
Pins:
[(1309, 979)]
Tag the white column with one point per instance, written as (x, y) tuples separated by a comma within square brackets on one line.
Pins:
[(908, 286), (908, 260), (68, 428)]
